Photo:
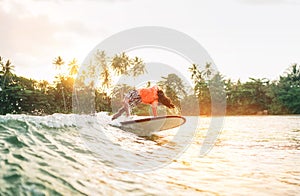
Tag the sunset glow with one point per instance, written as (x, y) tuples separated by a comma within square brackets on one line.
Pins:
[(241, 43)]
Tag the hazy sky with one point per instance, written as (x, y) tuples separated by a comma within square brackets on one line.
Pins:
[(245, 38)]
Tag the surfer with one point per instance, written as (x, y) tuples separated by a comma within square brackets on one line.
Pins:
[(152, 96)]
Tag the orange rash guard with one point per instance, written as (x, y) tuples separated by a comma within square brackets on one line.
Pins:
[(149, 95)]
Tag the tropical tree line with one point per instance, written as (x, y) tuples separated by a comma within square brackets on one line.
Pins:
[(20, 95), (256, 96)]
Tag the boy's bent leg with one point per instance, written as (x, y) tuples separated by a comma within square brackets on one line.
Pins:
[(127, 109), (119, 113)]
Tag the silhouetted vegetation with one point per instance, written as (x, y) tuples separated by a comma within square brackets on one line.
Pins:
[(256, 96)]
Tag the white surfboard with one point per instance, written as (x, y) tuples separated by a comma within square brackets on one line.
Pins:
[(146, 126)]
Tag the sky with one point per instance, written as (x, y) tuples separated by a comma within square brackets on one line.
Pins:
[(245, 38)]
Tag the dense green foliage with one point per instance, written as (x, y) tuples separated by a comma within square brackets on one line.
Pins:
[(19, 95), (257, 96)]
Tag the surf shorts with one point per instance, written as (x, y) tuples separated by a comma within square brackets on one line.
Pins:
[(133, 97)]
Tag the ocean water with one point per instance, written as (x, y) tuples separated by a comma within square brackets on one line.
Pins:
[(83, 155)]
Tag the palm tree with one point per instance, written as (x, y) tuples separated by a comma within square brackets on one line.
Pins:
[(121, 63), (174, 88), (1, 63), (105, 74), (101, 61), (124, 65), (58, 62), (287, 91), (1, 74), (293, 73), (208, 71), (43, 85), (196, 74), (201, 89), (6, 71), (175, 83), (138, 68), (73, 67)]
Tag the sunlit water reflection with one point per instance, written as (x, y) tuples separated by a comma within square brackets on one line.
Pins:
[(254, 155)]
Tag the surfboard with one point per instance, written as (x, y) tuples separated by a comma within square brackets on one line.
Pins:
[(146, 126)]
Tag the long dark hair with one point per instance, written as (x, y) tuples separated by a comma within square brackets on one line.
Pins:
[(163, 99)]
